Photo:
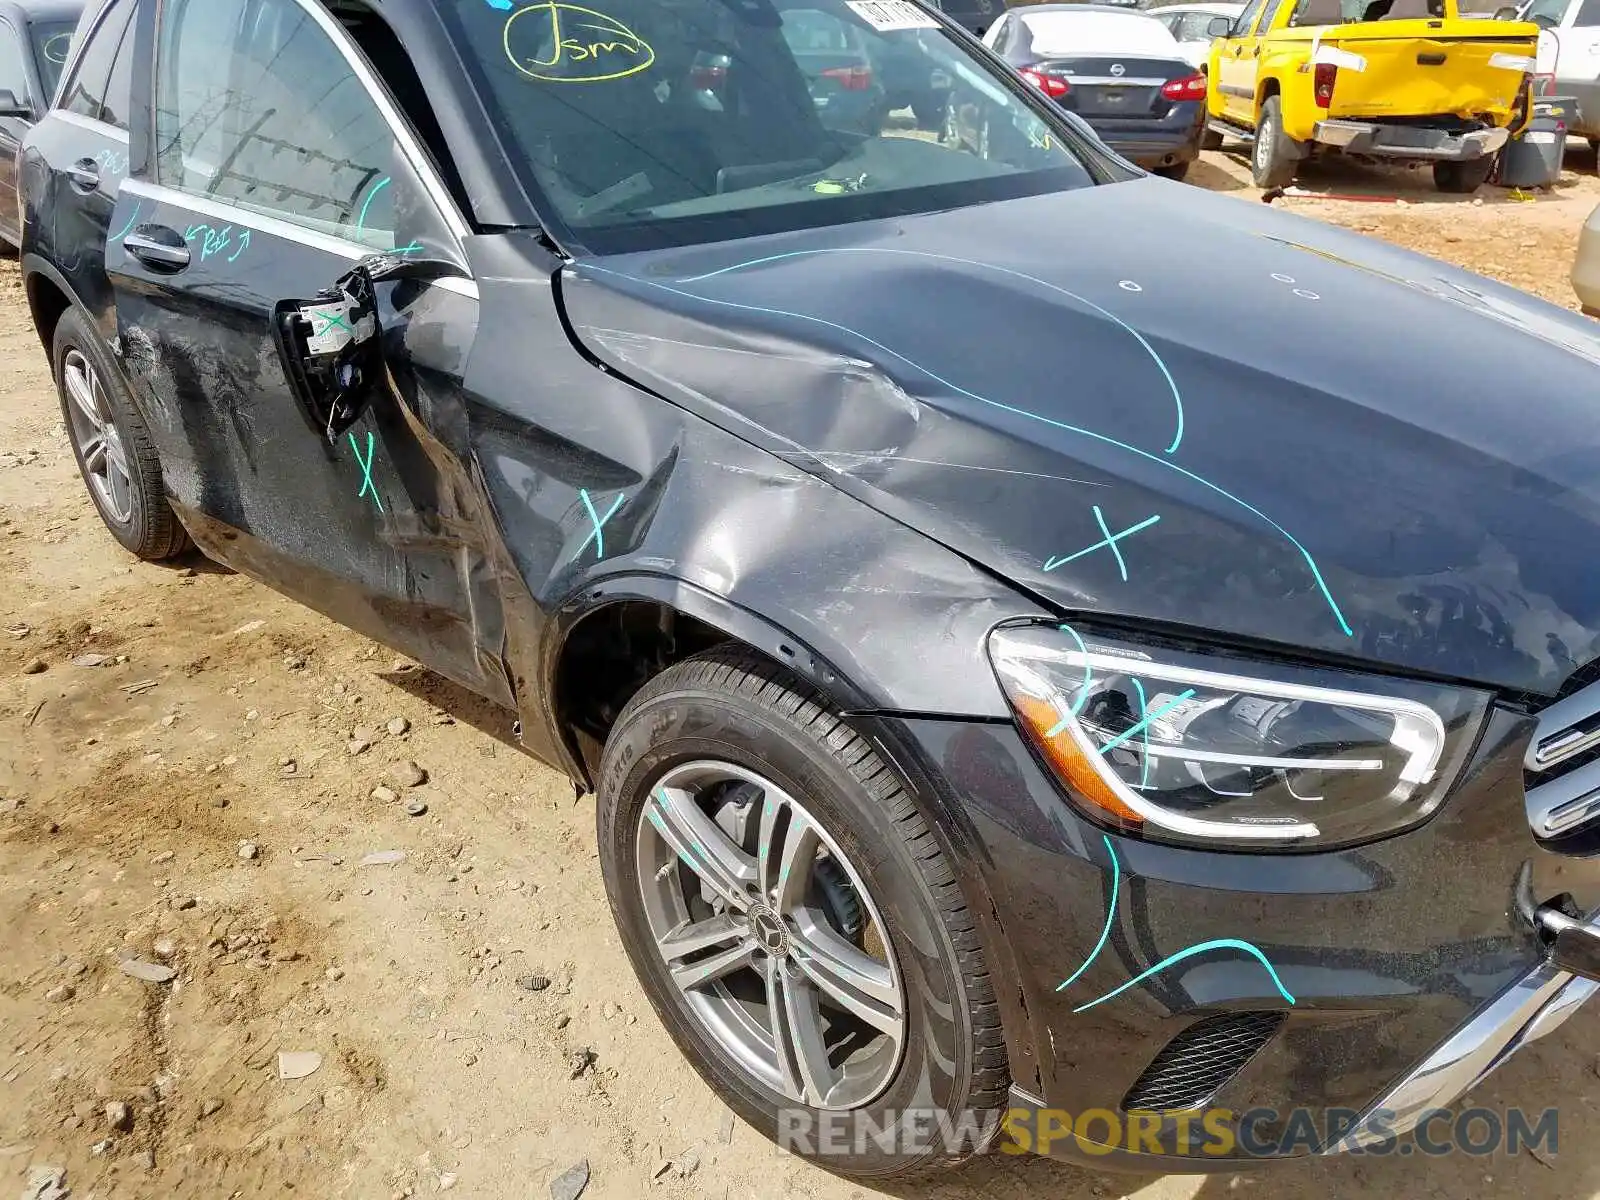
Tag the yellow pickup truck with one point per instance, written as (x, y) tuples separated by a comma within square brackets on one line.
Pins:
[(1404, 80)]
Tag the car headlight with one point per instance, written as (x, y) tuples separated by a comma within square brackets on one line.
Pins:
[(1180, 745)]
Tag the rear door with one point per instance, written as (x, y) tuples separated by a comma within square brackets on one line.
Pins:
[(85, 146), (276, 160)]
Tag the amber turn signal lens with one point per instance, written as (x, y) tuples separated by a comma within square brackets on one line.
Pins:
[(1070, 765)]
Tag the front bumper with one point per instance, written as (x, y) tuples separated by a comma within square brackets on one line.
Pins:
[(1412, 973), (1408, 141), (1530, 1008)]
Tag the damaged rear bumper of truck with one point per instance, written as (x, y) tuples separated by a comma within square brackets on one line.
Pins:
[(1414, 142)]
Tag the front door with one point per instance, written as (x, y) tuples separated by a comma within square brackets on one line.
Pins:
[(276, 163), (1236, 67)]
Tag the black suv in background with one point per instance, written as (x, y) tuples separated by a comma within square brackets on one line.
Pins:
[(35, 36), (1005, 690)]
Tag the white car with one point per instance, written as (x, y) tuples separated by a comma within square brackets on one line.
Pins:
[(1569, 51), (1191, 26)]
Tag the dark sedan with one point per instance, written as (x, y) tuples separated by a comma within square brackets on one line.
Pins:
[(1120, 71), (35, 36)]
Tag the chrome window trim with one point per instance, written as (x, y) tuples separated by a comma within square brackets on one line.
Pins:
[(276, 226), (399, 127)]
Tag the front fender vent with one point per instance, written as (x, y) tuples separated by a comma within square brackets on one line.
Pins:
[(1194, 1066)]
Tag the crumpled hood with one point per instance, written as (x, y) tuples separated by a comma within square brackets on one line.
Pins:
[(1149, 401)]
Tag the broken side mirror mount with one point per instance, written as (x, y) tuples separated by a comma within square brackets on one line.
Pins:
[(332, 343)]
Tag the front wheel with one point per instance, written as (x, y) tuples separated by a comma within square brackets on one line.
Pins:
[(1462, 178), (1272, 160), (796, 923)]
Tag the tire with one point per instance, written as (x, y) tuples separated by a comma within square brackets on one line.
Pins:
[(1273, 157), (1175, 172), (730, 728), (1462, 178), (111, 443)]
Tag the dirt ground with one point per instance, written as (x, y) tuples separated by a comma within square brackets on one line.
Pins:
[(179, 785)]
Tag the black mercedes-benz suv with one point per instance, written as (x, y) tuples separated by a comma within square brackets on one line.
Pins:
[(1006, 689)]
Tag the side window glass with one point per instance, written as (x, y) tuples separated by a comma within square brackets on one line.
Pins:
[(87, 91), (256, 107), (119, 86), (13, 72), (1269, 16), (1588, 15), (1246, 19)]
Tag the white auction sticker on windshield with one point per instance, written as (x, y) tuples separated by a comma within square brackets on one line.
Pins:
[(887, 15)]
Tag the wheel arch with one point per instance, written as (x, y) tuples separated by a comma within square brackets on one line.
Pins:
[(49, 297), (601, 638), (1265, 90), (621, 632)]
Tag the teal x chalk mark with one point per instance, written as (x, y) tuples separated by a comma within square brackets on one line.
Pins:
[(597, 535), (340, 321), (1108, 541), (366, 468)]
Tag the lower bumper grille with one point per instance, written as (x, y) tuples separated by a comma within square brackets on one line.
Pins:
[(1194, 1066)]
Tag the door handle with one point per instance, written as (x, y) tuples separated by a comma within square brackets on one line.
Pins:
[(1255, 52), (85, 175), (159, 248)]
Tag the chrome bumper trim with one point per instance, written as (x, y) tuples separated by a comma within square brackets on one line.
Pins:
[(1367, 137), (1529, 1008)]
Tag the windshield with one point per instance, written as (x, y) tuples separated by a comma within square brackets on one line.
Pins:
[(647, 123), (51, 41)]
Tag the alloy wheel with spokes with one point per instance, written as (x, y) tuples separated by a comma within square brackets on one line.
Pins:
[(770, 935), (95, 434)]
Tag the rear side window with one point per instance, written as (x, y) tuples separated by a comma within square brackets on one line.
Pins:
[(256, 107), (1589, 15), (86, 94)]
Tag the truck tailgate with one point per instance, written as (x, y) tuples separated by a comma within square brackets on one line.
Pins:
[(1425, 68)]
